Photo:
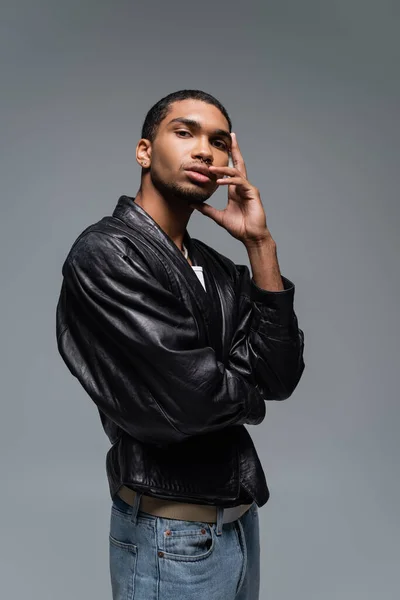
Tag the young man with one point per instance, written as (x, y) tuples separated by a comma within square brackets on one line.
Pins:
[(180, 348)]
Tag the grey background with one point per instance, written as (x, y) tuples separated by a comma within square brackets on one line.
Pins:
[(313, 91)]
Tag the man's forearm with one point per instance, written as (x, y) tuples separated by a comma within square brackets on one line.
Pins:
[(264, 265)]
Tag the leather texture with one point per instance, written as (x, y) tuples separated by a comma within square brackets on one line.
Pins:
[(175, 371)]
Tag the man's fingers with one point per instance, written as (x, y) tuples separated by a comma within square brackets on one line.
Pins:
[(234, 181), (237, 157), (230, 171)]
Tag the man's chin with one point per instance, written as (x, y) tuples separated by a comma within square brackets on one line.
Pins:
[(192, 194)]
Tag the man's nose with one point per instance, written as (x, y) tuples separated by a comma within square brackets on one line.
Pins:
[(203, 151)]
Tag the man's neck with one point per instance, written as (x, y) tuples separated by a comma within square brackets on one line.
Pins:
[(171, 216)]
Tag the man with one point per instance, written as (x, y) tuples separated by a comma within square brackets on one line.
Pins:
[(180, 348)]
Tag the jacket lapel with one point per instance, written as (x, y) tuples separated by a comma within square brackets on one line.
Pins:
[(204, 301)]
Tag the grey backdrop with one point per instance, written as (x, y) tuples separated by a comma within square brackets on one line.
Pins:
[(313, 91)]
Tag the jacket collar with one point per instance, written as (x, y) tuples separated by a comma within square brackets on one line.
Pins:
[(135, 216)]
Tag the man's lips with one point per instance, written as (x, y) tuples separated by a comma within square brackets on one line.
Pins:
[(199, 173), (198, 176)]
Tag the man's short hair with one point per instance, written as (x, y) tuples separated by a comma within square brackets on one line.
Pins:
[(159, 111)]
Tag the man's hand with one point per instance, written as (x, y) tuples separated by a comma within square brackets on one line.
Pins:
[(245, 219), (244, 216)]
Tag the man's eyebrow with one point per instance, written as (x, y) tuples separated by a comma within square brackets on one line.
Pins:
[(196, 125)]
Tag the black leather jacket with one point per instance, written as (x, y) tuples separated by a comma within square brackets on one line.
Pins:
[(175, 371)]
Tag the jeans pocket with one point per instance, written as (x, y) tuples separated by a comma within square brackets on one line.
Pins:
[(191, 541), (123, 560)]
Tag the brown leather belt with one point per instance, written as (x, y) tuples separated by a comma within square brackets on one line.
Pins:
[(170, 509)]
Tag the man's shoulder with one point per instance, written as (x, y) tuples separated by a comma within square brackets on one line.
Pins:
[(110, 247), (94, 238)]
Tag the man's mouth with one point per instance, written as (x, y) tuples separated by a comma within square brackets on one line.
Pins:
[(196, 176)]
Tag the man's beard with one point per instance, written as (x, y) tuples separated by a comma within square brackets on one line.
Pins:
[(176, 191)]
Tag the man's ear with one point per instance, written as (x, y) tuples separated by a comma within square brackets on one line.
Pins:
[(143, 153)]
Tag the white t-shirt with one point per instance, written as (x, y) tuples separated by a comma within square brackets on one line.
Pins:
[(200, 276)]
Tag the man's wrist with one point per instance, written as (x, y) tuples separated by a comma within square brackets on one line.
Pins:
[(264, 241), (264, 265)]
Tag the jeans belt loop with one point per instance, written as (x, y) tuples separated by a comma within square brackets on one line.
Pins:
[(136, 506), (220, 519)]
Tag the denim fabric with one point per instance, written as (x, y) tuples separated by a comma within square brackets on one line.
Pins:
[(154, 558)]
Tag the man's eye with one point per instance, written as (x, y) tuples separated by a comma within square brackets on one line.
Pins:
[(221, 144), (182, 131)]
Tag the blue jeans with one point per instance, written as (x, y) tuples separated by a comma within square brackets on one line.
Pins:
[(154, 558)]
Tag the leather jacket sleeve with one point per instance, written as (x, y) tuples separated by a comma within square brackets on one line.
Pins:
[(275, 342), (147, 370)]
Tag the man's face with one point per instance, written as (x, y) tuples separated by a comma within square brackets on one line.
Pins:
[(193, 135)]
